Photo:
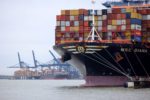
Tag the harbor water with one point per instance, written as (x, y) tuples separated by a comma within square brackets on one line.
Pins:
[(66, 90)]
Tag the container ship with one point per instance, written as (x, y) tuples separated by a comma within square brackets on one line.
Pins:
[(109, 46)]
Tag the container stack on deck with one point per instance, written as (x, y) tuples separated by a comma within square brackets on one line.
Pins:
[(111, 24)]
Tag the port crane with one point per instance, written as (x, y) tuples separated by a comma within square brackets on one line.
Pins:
[(53, 64)]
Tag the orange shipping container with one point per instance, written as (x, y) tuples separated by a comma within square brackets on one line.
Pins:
[(67, 12), (62, 12), (116, 10), (123, 16), (81, 11)]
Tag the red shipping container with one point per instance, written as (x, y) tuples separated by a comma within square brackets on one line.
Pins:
[(76, 18), (118, 28), (144, 25), (109, 16), (104, 29), (148, 11), (136, 33), (81, 29), (86, 23), (128, 27), (143, 11), (144, 22), (67, 28), (87, 29), (67, 18), (58, 28), (128, 21), (58, 17), (104, 23), (80, 23), (62, 17), (118, 16), (71, 23), (109, 22), (114, 16), (123, 16), (86, 12)]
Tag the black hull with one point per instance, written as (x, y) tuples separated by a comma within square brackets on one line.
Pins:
[(108, 59)]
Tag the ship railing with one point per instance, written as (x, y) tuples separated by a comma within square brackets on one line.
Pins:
[(119, 41), (135, 6)]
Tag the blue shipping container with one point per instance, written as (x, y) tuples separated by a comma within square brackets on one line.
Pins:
[(136, 21), (136, 38), (81, 17), (128, 15)]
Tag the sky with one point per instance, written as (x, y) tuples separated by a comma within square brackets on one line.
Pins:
[(27, 25)]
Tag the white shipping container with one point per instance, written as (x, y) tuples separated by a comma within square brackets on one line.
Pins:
[(109, 33), (76, 35), (63, 23), (76, 23), (133, 26), (67, 34), (104, 17), (109, 10), (67, 23), (99, 17), (99, 12), (138, 27), (119, 22), (123, 27), (109, 27), (58, 23), (148, 17), (123, 22), (62, 28), (114, 27), (90, 18), (72, 18), (99, 23), (99, 28), (86, 18), (144, 17)]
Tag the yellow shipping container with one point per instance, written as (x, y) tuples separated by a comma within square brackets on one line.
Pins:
[(139, 16), (62, 12), (74, 28), (74, 12), (136, 15), (96, 23), (96, 18), (114, 22), (129, 9), (58, 35), (128, 35)]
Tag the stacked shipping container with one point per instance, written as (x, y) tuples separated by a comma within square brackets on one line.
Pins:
[(115, 23)]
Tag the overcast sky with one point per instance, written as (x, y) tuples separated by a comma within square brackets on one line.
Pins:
[(27, 25)]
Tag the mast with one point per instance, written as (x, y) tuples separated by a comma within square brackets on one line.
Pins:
[(93, 25), (92, 36)]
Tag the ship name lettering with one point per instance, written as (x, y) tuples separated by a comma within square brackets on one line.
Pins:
[(140, 50), (135, 50), (125, 49)]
